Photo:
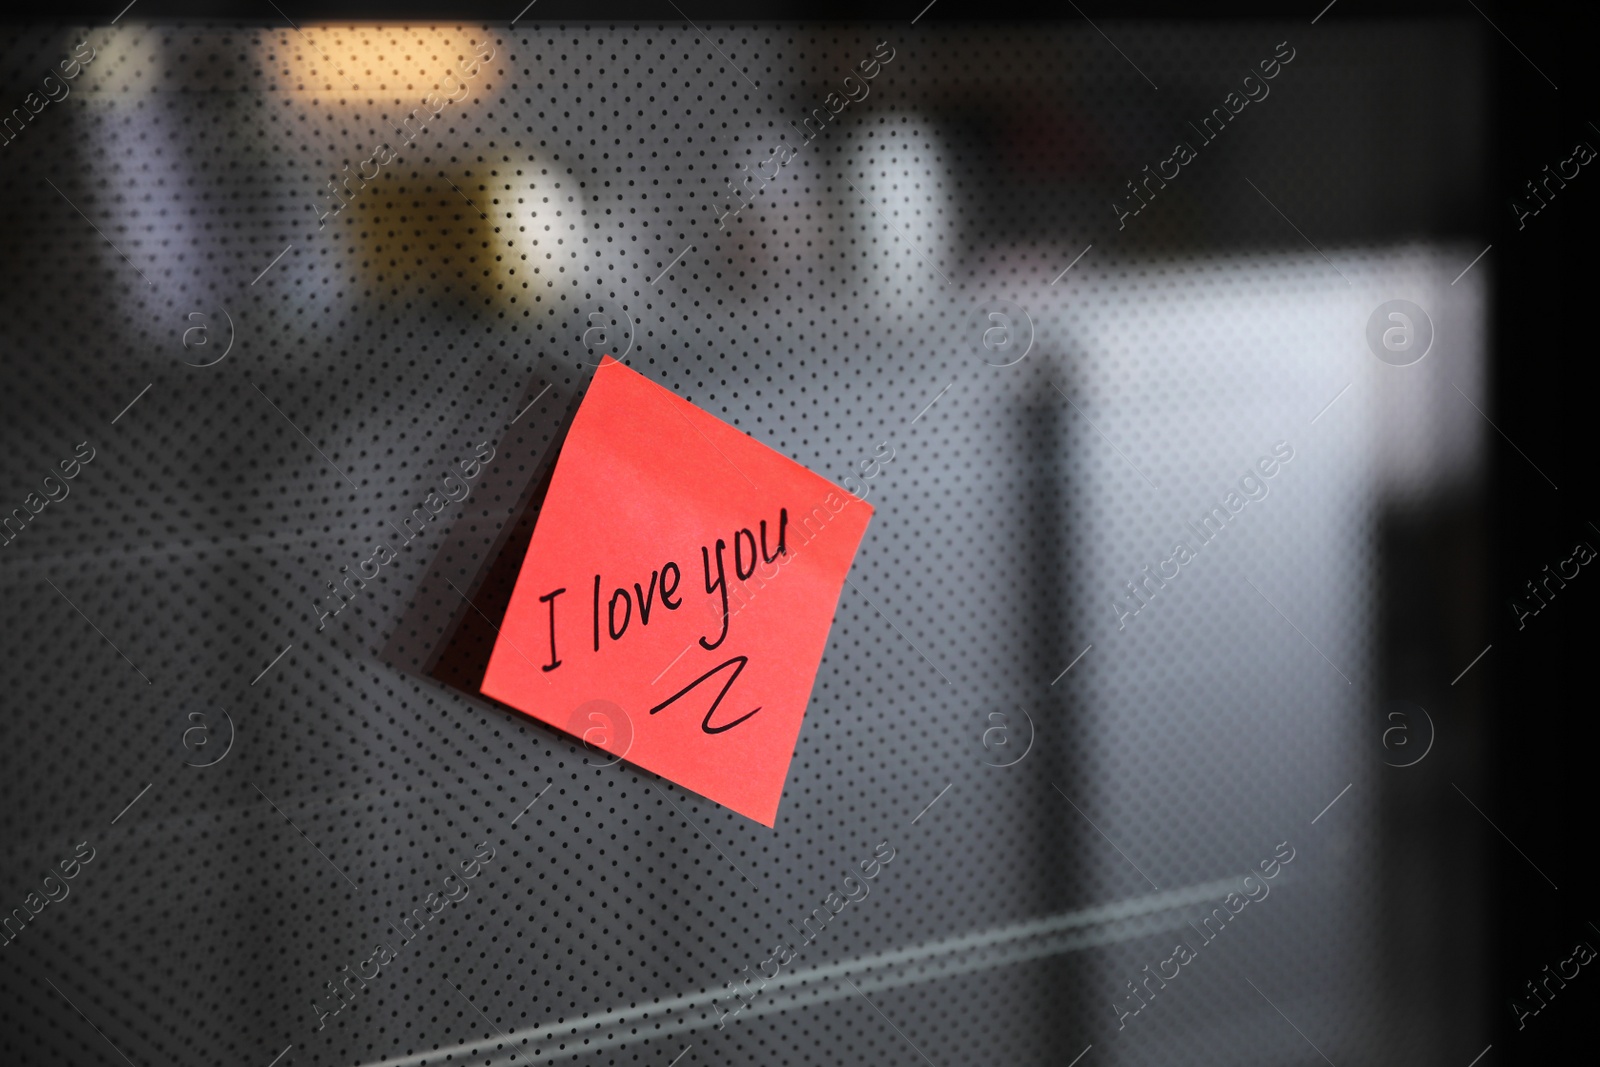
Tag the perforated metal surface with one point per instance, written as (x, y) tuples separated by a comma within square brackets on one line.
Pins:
[(568, 205)]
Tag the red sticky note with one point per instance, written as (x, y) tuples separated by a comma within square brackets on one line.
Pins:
[(675, 600)]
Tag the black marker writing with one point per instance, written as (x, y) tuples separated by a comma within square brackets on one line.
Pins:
[(663, 585), (550, 598), (646, 599), (783, 528), (705, 724), (712, 587), (666, 590), (627, 617), (738, 555)]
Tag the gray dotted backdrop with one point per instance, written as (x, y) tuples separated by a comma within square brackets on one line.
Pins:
[(267, 800)]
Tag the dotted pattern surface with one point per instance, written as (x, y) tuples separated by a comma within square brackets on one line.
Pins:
[(267, 389)]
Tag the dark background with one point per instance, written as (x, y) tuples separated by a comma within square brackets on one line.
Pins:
[(1544, 788)]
